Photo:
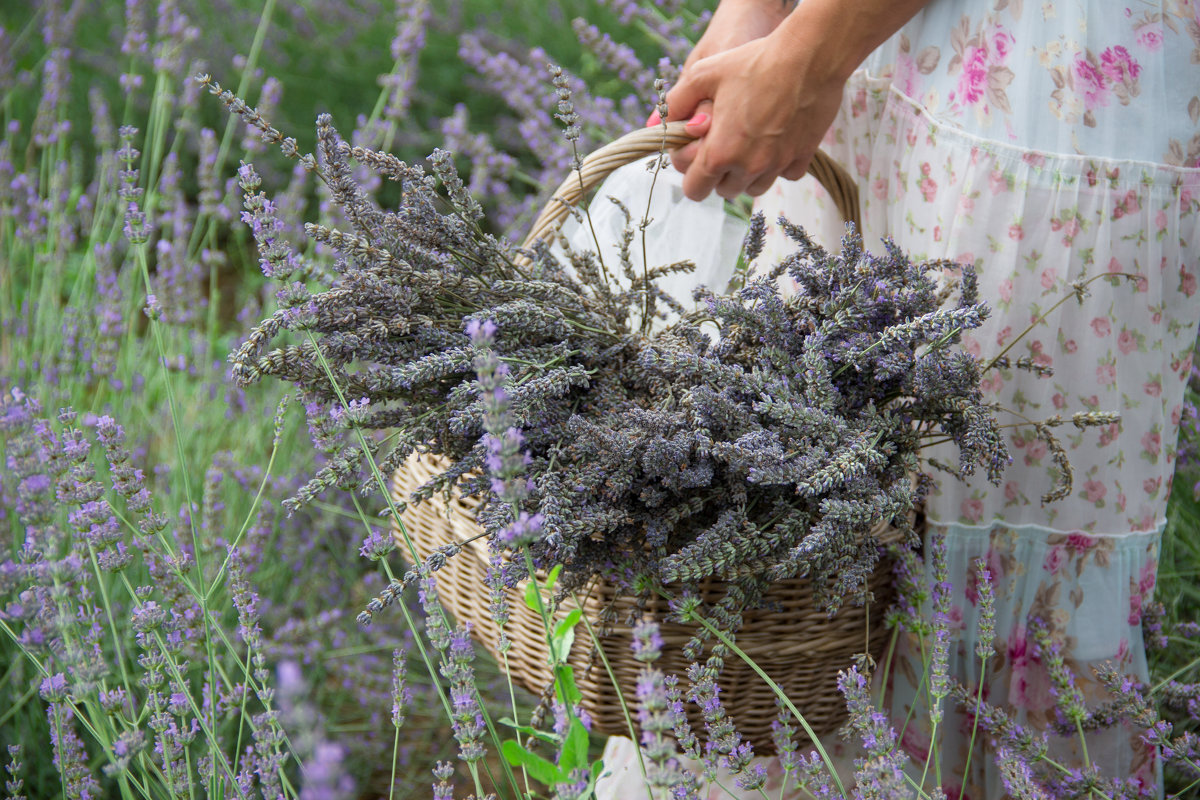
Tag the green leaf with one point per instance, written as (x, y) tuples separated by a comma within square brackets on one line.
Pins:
[(539, 769), (564, 685), (529, 730), (531, 594), (551, 578), (564, 637), (574, 752), (568, 622), (597, 771)]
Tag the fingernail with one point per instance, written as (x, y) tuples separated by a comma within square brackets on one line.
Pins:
[(699, 119), (653, 119)]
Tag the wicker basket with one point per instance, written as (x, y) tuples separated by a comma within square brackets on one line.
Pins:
[(797, 644)]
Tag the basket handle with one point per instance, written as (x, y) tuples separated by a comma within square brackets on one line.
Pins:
[(650, 141)]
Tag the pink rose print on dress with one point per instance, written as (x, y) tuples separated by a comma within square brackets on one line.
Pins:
[(1016, 232), (1126, 341), (1070, 346), (879, 188), (928, 185), (1150, 36), (1030, 687), (1094, 491), (1151, 444), (1080, 542), (997, 182), (915, 743), (1035, 452), (1127, 205), (1108, 434), (1055, 558), (862, 164), (1118, 65), (973, 81), (1106, 374), (1049, 277), (1090, 81), (1011, 491), (1153, 387), (1187, 282), (1038, 355), (1101, 326), (1002, 43), (1146, 576), (992, 384), (980, 60), (1059, 401), (859, 104), (1005, 290), (972, 509), (1122, 70)]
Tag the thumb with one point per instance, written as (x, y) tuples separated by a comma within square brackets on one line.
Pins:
[(694, 86)]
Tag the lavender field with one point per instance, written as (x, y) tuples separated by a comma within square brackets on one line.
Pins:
[(198, 596)]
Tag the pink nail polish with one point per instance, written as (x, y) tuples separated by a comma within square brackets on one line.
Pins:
[(699, 119), (653, 119)]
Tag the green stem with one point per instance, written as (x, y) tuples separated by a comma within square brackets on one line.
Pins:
[(779, 693)]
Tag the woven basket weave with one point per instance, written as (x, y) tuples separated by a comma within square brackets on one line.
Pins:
[(792, 640)]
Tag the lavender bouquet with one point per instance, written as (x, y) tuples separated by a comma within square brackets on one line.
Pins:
[(608, 447)]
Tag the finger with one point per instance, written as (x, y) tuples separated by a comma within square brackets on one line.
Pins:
[(733, 184), (694, 86), (760, 185), (700, 179), (797, 169), (682, 158)]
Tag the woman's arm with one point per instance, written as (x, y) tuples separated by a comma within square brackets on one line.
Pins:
[(774, 97)]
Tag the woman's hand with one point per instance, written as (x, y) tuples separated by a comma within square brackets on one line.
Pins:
[(734, 23), (770, 110), (773, 98)]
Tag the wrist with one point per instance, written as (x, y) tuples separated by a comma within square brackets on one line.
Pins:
[(774, 11), (829, 39)]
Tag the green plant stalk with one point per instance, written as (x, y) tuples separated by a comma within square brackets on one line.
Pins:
[(779, 693), (512, 698), (84, 720), (262, 486), (214, 664), (208, 732), (205, 228), (112, 624), (612, 677), (975, 721)]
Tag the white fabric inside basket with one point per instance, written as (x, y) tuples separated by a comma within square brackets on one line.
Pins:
[(679, 229)]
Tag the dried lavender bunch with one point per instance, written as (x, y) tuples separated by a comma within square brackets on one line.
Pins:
[(652, 458)]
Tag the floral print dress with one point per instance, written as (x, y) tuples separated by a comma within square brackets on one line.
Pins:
[(1044, 143)]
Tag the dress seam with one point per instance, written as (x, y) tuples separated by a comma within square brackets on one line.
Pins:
[(1060, 167)]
